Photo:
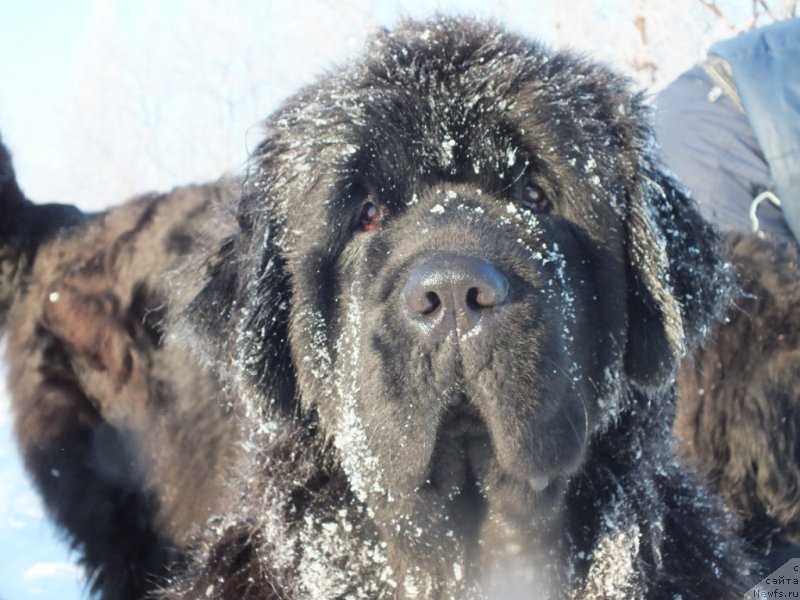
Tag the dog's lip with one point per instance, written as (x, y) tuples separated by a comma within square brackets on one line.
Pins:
[(460, 418), (460, 428), (463, 424)]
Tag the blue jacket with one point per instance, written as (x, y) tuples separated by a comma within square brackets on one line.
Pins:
[(766, 70)]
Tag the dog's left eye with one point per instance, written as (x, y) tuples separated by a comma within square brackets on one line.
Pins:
[(370, 217), (535, 199)]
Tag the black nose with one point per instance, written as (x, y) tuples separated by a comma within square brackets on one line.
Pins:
[(454, 293)]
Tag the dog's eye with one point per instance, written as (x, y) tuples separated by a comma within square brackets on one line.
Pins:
[(535, 199), (370, 217)]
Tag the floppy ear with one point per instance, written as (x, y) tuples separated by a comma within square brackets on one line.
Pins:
[(239, 319), (679, 279)]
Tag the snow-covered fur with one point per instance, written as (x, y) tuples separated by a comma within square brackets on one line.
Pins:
[(120, 431), (452, 314), (739, 412)]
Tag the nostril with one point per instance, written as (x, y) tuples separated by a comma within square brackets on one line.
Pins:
[(473, 299), (421, 302), (492, 292), (431, 303)]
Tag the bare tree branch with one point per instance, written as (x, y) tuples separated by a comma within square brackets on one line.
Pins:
[(712, 6), (753, 15), (639, 23), (769, 12)]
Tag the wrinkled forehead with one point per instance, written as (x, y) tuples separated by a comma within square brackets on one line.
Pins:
[(435, 127), (396, 125)]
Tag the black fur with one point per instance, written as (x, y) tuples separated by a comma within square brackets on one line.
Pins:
[(22, 230), (739, 417), (531, 459)]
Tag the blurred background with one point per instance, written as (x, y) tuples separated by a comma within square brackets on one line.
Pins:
[(103, 99)]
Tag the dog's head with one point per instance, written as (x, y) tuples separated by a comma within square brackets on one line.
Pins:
[(459, 254)]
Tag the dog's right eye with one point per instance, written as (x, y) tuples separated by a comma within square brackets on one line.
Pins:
[(535, 199), (370, 217)]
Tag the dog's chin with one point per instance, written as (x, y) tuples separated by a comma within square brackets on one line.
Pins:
[(464, 460), (464, 482), (469, 511), (464, 467)]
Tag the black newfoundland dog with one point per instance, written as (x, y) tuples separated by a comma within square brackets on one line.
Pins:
[(442, 331), (738, 419)]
